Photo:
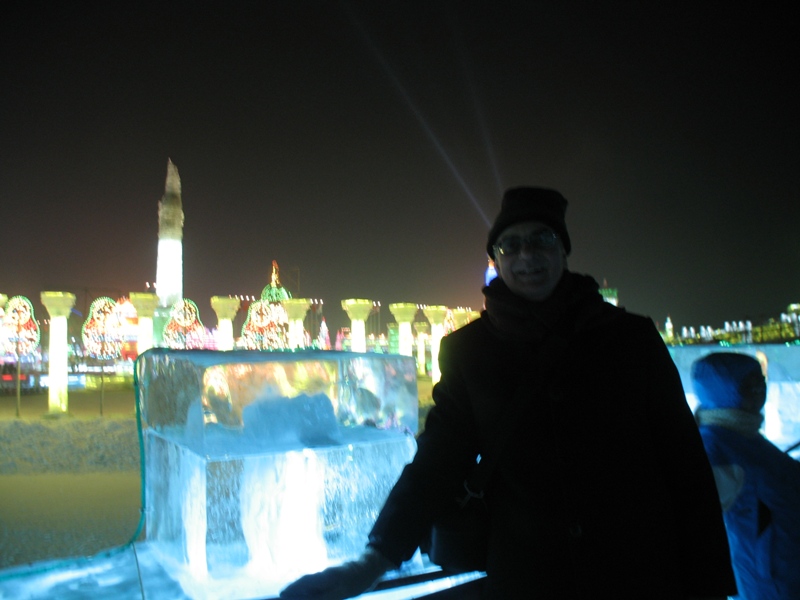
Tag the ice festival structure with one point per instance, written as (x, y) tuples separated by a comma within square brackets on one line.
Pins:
[(270, 464)]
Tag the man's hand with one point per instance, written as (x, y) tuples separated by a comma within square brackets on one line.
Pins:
[(337, 583)]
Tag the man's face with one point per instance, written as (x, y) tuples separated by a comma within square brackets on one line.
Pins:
[(530, 259), (753, 391)]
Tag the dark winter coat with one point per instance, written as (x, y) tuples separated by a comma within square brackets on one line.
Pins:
[(603, 488)]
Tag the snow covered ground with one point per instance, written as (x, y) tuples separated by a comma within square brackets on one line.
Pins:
[(137, 572)]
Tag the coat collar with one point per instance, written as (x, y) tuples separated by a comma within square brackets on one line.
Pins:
[(574, 305)]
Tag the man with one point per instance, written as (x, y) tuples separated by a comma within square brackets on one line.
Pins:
[(600, 486), (758, 485)]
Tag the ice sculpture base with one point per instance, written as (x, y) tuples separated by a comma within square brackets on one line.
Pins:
[(275, 514)]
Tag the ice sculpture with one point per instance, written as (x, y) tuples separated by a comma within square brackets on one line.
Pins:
[(275, 463)]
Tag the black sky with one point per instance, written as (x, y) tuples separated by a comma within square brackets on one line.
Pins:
[(365, 144)]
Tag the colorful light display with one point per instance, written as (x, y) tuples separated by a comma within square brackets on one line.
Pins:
[(275, 292), (267, 323), (184, 330), (324, 338), (103, 330), (20, 332), (266, 327)]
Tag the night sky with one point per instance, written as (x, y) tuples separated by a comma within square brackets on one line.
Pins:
[(364, 145)]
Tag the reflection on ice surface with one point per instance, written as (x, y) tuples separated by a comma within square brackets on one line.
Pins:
[(361, 389)]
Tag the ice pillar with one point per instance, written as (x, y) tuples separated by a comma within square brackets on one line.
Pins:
[(422, 330), (296, 309), (59, 305), (358, 310), (145, 305), (226, 308), (404, 313), (436, 316)]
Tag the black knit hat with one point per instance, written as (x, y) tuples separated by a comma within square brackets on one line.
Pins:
[(531, 204)]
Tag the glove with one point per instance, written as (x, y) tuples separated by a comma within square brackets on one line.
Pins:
[(345, 581)]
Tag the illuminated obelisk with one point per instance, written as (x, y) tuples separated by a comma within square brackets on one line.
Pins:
[(169, 268)]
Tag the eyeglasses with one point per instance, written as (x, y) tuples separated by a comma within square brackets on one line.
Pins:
[(539, 240)]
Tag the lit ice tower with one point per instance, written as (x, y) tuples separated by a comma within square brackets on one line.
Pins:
[(169, 269)]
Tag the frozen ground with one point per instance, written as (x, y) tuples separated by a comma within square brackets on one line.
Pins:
[(68, 486), (136, 572)]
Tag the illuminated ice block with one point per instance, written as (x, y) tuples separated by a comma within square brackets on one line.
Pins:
[(275, 463)]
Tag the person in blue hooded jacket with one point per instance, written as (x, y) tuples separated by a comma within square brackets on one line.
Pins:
[(758, 485)]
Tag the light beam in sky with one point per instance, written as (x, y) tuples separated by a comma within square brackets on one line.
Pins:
[(476, 104), (418, 115)]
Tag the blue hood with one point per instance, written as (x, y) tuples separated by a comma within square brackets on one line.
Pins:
[(729, 380)]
